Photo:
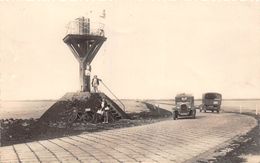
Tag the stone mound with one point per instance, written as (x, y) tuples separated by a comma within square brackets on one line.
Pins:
[(71, 96), (60, 111)]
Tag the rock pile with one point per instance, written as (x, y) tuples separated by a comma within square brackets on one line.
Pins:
[(62, 109)]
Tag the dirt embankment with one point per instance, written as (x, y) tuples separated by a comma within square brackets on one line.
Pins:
[(52, 124)]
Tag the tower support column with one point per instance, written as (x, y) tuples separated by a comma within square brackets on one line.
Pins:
[(84, 48), (84, 79)]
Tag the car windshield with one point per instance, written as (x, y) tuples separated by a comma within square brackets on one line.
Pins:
[(212, 96), (183, 99)]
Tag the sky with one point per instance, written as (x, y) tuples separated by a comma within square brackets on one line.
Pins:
[(154, 49)]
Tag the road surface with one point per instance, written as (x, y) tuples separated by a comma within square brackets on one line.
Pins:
[(166, 141)]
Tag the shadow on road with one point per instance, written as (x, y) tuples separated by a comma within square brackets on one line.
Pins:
[(197, 117)]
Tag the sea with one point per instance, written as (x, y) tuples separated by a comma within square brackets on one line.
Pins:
[(34, 109)]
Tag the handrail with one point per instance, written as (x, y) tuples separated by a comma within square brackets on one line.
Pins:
[(113, 95)]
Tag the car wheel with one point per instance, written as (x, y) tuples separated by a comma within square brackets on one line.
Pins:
[(218, 111), (194, 114), (174, 115)]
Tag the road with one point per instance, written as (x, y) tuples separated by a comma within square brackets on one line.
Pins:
[(166, 141)]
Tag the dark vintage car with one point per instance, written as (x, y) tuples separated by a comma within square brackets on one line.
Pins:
[(211, 101), (184, 106)]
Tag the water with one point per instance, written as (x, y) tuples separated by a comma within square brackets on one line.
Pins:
[(34, 109), (24, 109), (242, 105), (227, 105)]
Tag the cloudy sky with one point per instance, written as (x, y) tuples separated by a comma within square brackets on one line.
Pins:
[(154, 49)]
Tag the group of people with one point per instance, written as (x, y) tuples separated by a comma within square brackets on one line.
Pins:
[(102, 112)]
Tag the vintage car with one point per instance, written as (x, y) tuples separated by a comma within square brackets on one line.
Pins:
[(211, 101), (184, 106)]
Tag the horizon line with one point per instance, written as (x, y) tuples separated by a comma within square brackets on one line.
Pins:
[(226, 99)]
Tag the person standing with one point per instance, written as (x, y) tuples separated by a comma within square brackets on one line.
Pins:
[(98, 115), (95, 83), (88, 69), (106, 112), (87, 76), (100, 111), (103, 103)]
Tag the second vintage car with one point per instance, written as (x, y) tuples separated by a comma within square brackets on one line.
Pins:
[(184, 106), (211, 101)]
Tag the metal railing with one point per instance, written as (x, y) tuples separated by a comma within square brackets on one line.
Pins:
[(82, 26), (242, 109), (113, 95)]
